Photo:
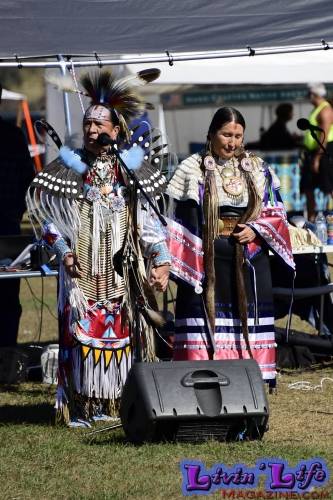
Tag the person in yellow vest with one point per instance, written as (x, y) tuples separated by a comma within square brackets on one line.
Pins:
[(317, 168)]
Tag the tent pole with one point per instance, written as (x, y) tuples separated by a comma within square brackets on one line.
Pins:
[(63, 66)]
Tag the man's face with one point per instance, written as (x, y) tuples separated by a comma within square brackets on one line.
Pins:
[(94, 124)]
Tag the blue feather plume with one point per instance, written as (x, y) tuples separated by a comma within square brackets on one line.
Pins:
[(133, 157), (72, 160)]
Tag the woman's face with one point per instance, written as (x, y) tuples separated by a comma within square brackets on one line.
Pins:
[(227, 140)]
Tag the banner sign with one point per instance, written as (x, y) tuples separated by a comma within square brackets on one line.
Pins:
[(220, 97)]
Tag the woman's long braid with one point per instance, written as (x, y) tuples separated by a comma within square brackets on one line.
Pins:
[(251, 213), (210, 230)]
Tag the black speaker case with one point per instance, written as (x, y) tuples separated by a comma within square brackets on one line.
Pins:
[(194, 401)]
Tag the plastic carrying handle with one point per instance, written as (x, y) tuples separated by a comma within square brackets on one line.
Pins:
[(204, 377)]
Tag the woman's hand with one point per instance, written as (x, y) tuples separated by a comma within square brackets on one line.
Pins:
[(159, 277), (72, 266), (245, 235)]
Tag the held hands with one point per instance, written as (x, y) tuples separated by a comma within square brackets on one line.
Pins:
[(159, 277), (72, 266), (244, 235)]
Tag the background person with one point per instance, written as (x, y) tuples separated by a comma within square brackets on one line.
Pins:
[(16, 173), (317, 169), (225, 196), (278, 137)]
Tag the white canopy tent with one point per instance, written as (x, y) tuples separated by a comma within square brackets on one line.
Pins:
[(284, 69), (35, 33), (188, 124), (216, 42), (266, 69)]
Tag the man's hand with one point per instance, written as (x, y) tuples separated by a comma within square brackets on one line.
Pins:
[(245, 235), (159, 277), (72, 266)]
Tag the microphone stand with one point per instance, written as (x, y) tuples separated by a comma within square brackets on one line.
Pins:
[(131, 175)]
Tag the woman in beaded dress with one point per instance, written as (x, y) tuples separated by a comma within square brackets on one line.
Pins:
[(89, 214), (228, 213)]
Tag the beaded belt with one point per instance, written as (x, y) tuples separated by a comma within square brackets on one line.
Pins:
[(226, 225)]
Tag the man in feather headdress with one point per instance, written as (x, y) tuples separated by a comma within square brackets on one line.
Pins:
[(99, 228)]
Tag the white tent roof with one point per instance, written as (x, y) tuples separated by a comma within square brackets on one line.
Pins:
[(266, 69)]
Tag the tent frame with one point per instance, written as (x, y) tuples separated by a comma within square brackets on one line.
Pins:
[(67, 61), (64, 62)]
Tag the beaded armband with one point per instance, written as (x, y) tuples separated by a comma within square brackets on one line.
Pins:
[(61, 248)]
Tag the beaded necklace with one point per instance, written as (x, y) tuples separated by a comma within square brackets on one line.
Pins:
[(233, 182)]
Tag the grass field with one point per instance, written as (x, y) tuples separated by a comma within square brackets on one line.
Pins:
[(40, 461)]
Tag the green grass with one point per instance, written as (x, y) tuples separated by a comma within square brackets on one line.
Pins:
[(41, 461), (32, 292)]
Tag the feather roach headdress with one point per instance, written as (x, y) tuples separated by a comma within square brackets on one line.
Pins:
[(118, 95)]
